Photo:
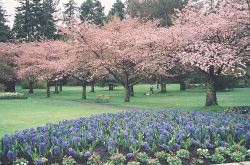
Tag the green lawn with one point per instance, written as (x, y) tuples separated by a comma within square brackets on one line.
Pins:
[(38, 110)]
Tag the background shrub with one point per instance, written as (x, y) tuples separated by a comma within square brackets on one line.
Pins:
[(16, 95), (2, 88), (36, 85)]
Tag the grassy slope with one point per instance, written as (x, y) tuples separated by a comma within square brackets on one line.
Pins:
[(38, 110)]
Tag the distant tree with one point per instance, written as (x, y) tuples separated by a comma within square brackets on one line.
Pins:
[(92, 11), (48, 22), (45, 60), (4, 29), (34, 20), (118, 9), (120, 48), (213, 37), (23, 24), (28, 62), (8, 53), (154, 9), (70, 11)]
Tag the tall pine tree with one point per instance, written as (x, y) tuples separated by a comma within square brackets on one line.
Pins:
[(48, 22), (34, 20), (70, 11), (92, 11), (118, 9), (154, 9), (4, 29), (23, 24)]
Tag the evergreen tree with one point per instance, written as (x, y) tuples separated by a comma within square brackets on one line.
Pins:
[(4, 29), (48, 22), (70, 11), (23, 21), (154, 9), (118, 9), (92, 11), (37, 14), (34, 20)]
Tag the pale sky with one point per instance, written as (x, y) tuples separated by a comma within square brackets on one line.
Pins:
[(9, 6)]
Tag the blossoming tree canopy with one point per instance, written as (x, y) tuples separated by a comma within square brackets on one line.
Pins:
[(210, 36), (119, 47), (45, 60), (28, 63), (83, 67), (8, 53)]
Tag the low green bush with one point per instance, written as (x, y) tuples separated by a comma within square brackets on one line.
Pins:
[(16, 95), (36, 85), (2, 88)]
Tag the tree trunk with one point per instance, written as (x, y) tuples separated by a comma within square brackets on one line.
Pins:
[(84, 85), (127, 95), (56, 88), (131, 91), (10, 86), (31, 87), (111, 87), (163, 88), (92, 88), (48, 89), (157, 84), (60, 85), (211, 98), (182, 85)]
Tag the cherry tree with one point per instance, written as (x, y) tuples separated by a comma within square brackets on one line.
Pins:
[(45, 60), (28, 63), (55, 61), (209, 33), (119, 47), (82, 67), (8, 53)]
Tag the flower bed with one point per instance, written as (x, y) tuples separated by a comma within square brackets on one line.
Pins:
[(145, 137), (9, 95)]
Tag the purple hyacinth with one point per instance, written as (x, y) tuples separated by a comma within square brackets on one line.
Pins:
[(11, 155), (146, 146), (209, 145), (224, 144), (195, 143), (57, 150), (39, 162), (65, 144), (72, 152), (28, 149), (248, 139), (42, 146), (130, 155), (165, 147), (176, 146), (87, 154), (6, 142)]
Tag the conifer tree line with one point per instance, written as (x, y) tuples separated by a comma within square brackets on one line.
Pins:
[(35, 20)]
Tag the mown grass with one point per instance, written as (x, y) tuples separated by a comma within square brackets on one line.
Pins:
[(38, 109)]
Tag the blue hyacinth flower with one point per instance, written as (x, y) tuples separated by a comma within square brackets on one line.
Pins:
[(11, 155)]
